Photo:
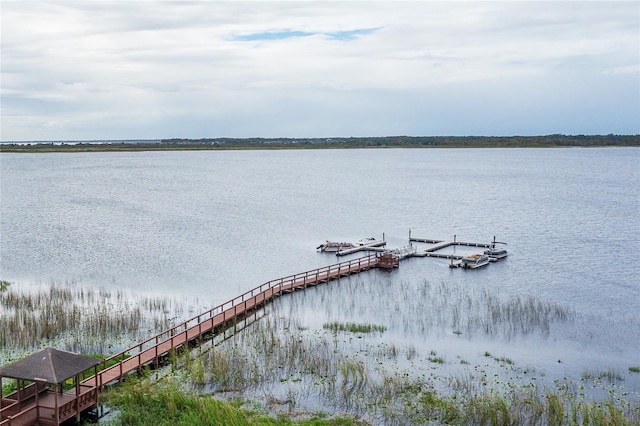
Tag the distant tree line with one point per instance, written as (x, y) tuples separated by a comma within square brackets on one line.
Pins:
[(557, 140), (424, 141)]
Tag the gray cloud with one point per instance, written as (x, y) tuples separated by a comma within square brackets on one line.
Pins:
[(153, 69)]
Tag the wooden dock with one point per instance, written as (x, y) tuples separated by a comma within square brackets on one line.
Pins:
[(202, 327), (213, 321), (209, 323)]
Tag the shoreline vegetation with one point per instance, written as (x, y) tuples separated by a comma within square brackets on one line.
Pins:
[(80, 319), (265, 374), (275, 369), (185, 144)]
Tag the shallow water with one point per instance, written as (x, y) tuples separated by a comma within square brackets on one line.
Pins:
[(214, 224)]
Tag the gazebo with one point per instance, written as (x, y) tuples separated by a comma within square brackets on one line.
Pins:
[(49, 389)]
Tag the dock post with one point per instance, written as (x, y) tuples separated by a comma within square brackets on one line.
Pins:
[(454, 239)]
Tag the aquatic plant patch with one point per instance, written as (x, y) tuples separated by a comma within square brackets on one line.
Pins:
[(352, 327), (288, 368)]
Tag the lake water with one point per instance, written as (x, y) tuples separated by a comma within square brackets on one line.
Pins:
[(211, 225)]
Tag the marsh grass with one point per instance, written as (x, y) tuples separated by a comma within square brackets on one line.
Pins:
[(447, 306), (85, 320), (352, 327), (288, 367), (482, 310), (609, 375)]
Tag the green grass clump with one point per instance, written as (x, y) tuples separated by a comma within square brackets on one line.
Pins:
[(436, 359), (505, 360), (634, 369), (354, 327), (141, 403)]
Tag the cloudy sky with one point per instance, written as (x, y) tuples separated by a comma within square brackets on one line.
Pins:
[(89, 70)]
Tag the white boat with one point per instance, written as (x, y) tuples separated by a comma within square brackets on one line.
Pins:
[(475, 261), (365, 241), (494, 252), (333, 246)]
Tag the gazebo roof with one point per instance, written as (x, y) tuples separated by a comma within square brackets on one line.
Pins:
[(51, 366)]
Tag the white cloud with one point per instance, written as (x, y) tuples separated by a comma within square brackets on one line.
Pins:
[(142, 69), (625, 69)]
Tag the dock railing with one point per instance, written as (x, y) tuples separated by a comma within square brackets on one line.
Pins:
[(195, 327), (27, 416)]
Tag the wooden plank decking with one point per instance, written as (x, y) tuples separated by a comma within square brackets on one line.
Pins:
[(152, 350)]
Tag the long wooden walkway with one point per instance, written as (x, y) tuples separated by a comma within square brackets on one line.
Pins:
[(217, 319)]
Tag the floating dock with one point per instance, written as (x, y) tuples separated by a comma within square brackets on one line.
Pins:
[(410, 251), (436, 245)]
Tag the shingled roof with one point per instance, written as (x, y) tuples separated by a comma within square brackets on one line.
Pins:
[(51, 366)]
